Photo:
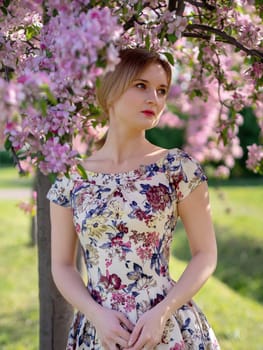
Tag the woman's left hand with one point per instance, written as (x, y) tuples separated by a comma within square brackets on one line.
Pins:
[(148, 331)]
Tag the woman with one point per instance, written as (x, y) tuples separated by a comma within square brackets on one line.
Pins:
[(124, 215)]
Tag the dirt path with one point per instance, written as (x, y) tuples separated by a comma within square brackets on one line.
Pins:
[(16, 193)]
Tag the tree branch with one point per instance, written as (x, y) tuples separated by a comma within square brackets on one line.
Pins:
[(129, 23), (202, 4), (172, 5), (226, 38), (196, 35), (177, 5)]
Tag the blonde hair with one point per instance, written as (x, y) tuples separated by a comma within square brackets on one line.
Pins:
[(133, 62)]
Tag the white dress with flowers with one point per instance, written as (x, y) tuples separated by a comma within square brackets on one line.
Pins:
[(125, 223)]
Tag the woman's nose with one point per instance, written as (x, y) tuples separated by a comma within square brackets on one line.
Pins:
[(151, 96)]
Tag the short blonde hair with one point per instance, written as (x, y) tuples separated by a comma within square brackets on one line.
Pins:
[(133, 62)]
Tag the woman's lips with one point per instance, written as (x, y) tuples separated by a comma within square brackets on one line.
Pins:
[(148, 113)]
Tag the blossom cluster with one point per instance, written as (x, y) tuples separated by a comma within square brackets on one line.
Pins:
[(255, 159), (66, 61), (74, 46), (18, 31), (29, 207), (54, 67), (213, 101)]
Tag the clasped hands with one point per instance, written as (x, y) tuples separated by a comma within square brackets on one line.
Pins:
[(115, 331)]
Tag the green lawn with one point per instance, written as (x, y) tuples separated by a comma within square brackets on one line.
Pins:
[(232, 299), (18, 286), (9, 178)]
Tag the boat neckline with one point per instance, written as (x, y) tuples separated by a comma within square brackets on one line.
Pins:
[(139, 168)]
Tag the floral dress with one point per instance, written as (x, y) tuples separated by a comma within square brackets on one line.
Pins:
[(125, 223)]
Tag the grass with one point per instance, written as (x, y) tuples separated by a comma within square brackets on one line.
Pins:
[(232, 299), (18, 276), (236, 320), (237, 215), (9, 178)]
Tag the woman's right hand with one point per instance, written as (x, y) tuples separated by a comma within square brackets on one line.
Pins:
[(113, 329)]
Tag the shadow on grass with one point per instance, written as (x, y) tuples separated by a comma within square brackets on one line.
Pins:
[(19, 327), (240, 260), (10, 178), (244, 182)]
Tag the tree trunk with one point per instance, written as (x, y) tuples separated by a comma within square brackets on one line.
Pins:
[(33, 228), (33, 231), (55, 313)]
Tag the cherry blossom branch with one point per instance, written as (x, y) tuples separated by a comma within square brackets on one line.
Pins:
[(226, 38), (178, 6), (202, 4), (130, 23), (172, 5)]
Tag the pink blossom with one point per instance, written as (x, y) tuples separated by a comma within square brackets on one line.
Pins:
[(27, 166), (57, 157), (255, 157), (171, 120), (76, 46), (257, 69)]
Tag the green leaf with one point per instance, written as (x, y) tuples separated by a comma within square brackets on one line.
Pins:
[(54, 12), (6, 3), (147, 42), (8, 144), (32, 31), (52, 177), (82, 171), (195, 93), (4, 10), (94, 110), (51, 98), (98, 82), (48, 53), (42, 106), (224, 136), (138, 7), (169, 57), (171, 38)]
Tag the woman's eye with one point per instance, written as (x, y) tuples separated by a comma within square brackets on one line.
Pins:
[(162, 92), (141, 85)]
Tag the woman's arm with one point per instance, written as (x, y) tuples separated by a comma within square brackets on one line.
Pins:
[(63, 257), (71, 285), (195, 214)]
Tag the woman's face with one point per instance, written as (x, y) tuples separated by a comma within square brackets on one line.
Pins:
[(142, 104)]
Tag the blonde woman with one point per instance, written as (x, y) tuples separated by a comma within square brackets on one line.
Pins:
[(124, 215)]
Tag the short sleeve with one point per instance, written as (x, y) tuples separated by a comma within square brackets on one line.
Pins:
[(60, 191), (186, 174)]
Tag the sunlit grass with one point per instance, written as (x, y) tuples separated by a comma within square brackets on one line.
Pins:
[(18, 276), (9, 178), (236, 320)]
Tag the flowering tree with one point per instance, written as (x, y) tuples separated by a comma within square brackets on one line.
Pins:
[(56, 58), (52, 54)]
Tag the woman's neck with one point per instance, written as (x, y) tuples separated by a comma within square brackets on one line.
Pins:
[(121, 145)]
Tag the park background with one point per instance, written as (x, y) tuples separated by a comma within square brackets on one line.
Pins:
[(232, 299)]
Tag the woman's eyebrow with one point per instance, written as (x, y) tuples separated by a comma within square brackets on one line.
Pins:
[(146, 81)]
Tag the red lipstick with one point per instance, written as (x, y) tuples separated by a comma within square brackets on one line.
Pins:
[(148, 112)]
